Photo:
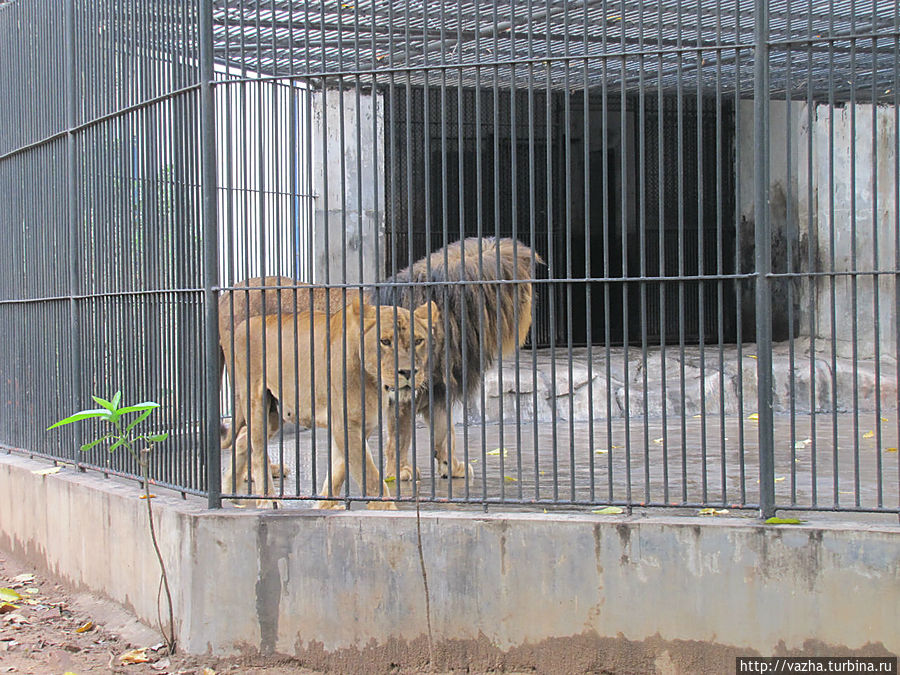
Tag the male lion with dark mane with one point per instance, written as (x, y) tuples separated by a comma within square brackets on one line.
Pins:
[(376, 354)]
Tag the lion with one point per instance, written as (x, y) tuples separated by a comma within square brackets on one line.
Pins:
[(385, 358), (483, 322)]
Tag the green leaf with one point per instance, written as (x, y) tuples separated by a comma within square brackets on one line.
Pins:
[(137, 420), (106, 404), (783, 521), (117, 399), (82, 415), (138, 407), (158, 438), (88, 446), (119, 443)]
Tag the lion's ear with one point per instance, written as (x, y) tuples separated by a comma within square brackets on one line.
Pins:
[(421, 312), (364, 311)]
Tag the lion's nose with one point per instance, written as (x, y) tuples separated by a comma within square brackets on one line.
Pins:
[(404, 373)]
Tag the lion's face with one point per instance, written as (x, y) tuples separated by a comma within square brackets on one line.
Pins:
[(396, 349)]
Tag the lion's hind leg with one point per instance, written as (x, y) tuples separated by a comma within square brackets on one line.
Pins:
[(330, 497)]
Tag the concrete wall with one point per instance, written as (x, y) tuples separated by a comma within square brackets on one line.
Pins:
[(348, 177), (559, 593), (851, 152)]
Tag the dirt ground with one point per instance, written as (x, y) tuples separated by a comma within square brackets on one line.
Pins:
[(39, 635)]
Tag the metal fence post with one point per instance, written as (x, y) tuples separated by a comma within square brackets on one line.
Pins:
[(73, 218), (208, 183), (763, 260)]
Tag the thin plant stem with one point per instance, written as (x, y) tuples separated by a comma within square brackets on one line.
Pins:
[(169, 637)]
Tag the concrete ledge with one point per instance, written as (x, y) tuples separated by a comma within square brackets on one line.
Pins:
[(558, 593)]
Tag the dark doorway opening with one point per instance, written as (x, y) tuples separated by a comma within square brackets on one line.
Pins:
[(628, 203)]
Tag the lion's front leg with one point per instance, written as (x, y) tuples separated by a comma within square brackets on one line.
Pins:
[(399, 438), (358, 456), (445, 443)]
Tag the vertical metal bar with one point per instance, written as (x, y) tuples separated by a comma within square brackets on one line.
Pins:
[(854, 280), (210, 250), (586, 159), (73, 218), (811, 258), (763, 258), (791, 233), (876, 281), (567, 207), (642, 247), (738, 261), (832, 257), (701, 261), (661, 270)]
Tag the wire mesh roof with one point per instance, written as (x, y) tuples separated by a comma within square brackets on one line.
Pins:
[(816, 46)]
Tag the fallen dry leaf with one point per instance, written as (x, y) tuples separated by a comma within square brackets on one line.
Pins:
[(890, 449), (9, 595), (601, 451), (869, 434), (24, 578), (609, 510), (135, 656), (85, 628), (511, 479), (658, 441), (753, 416), (209, 671), (7, 607), (712, 512), (496, 452), (47, 471), (145, 496), (799, 445)]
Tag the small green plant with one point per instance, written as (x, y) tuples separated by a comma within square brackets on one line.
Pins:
[(124, 435)]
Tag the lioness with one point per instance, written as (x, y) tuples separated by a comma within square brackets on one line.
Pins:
[(284, 297), (386, 358)]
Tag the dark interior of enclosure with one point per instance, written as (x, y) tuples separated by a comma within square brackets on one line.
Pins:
[(597, 188)]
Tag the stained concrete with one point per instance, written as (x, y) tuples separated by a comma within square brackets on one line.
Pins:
[(551, 591)]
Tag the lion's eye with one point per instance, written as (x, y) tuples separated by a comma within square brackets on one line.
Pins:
[(419, 341), (386, 342)]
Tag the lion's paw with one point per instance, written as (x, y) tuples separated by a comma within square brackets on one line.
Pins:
[(333, 504), (460, 470), (266, 504), (381, 506), (406, 473)]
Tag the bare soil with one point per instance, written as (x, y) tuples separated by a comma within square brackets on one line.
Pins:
[(39, 635)]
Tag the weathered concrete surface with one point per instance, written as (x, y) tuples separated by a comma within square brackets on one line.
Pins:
[(556, 592), (611, 383)]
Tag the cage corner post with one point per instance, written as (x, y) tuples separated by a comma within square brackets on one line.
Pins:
[(71, 117), (763, 260), (208, 174)]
